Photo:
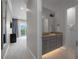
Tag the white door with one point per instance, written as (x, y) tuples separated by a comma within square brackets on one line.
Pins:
[(71, 33)]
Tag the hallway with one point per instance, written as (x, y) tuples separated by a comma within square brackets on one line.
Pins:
[(41, 26), (18, 50)]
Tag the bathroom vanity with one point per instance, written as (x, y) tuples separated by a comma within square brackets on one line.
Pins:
[(51, 41)]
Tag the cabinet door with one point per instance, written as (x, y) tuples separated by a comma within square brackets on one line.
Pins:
[(52, 43), (59, 40), (44, 45)]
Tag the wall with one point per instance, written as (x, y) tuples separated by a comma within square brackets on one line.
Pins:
[(9, 30), (48, 22), (3, 16), (60, 18), (8, 17), (45, 24), (3, 25), (34, 25)]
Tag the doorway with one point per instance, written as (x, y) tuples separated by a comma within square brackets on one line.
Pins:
[(71, 33), (22, 28)]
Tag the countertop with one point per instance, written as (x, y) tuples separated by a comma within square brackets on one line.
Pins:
[(49, 34)]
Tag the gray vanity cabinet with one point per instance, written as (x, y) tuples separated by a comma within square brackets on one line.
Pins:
[(45, 46), (50, 43)]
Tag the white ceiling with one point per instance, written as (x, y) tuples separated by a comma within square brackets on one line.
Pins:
[(50, 4), (17, 12)]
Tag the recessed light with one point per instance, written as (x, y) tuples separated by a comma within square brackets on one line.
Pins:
[(26, 9), (22, 8)]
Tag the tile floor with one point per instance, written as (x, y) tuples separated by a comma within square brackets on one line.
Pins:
[(18, 50)]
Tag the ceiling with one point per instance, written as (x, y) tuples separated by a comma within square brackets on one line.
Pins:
[(19, 9), (50, 4)]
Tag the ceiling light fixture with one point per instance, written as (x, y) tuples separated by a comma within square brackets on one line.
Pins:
[(26, 9), (22, 8)]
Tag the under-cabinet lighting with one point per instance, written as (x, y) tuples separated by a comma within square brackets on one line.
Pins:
[(53, 53)]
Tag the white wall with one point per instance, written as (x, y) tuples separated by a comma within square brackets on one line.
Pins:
[(8, 18), (45, 24), (60, 18), (3, 26), (34, 33), (48, 22), (8, 29), (3, 16)]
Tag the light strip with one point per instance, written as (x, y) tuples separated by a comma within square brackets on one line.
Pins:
[(53, 53)]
